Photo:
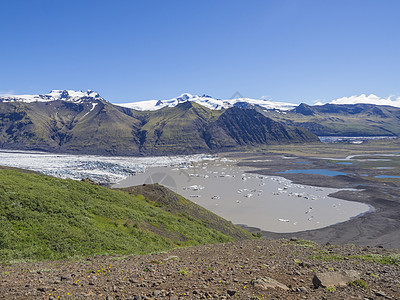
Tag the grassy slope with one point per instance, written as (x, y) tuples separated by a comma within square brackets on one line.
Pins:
[(180, 206), (48, 218)]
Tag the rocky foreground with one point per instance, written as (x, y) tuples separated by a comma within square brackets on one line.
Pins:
[(257, 269)]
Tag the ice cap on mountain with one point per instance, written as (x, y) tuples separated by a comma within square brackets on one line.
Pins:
[(65, 95), (208, 102)]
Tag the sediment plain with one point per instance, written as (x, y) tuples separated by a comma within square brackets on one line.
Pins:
[(371, 170)]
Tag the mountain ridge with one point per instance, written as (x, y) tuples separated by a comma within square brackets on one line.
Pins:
[(360, 119), (83, 122), (205, 100), (99, 127)]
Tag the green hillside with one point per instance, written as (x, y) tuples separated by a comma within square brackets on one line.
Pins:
[(49, 218), (180, 206)]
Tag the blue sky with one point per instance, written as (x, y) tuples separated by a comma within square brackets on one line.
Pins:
[(295, 51)]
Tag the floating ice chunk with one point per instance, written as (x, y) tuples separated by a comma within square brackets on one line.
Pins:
[(215, 197), (194, 175), (248, 195), (283, 220), (194, 187)]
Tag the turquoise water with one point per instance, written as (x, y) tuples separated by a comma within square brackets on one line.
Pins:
[(344, 163), (324, 172), (386, 176)]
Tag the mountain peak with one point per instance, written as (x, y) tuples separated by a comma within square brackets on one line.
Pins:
[(304, 109), (71, 94), (54, 95), (185, 97)]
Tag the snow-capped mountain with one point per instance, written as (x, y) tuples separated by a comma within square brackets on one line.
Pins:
[(208, 102), (65, 95)]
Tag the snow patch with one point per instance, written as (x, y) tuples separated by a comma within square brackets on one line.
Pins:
[(93, 106)]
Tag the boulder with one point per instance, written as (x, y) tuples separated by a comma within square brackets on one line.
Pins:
[(338, 278), (267, 283), (173, 257)]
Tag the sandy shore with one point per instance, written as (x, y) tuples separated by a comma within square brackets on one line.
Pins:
[(381, 227)]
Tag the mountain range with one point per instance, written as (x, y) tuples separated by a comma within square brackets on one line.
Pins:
[(348, 116), (342, 119), (83, 122)]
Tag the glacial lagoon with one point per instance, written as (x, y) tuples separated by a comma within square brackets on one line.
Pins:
[(270, 203)]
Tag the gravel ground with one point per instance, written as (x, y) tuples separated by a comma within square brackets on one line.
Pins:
[(222, 271)]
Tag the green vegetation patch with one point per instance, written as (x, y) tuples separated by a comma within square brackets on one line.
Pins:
[(43, 218), (359, 282), (392, 259)]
